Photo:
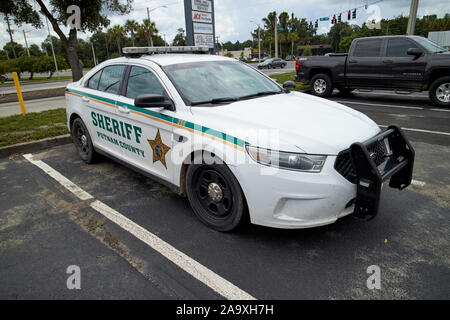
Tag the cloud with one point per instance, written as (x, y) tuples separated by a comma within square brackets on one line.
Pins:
[(233, 17)]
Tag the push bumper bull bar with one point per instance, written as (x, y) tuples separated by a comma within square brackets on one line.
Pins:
[(397, 167)]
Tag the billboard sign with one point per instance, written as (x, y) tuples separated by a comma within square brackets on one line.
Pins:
[(204, 17), (199, 15)]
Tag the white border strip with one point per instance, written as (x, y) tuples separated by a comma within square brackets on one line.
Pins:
[(66, 183), (194, 268), (421, 130), (379, 105)]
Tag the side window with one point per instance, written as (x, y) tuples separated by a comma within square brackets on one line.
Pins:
[(142, 81), (93, 81), (110, 79), (399, 47), (368, 48)]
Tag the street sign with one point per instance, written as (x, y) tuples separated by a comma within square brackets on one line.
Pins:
[(199, 16), (325, 19)]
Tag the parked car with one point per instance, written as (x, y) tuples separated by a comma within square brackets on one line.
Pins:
[(398, 63), (272, 64), (173, 118)]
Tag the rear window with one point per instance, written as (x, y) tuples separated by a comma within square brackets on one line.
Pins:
[(368, 48), (110, 79)]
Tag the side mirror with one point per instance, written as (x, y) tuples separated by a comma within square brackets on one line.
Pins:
[(153, 101), (289, 85), (414, 52)]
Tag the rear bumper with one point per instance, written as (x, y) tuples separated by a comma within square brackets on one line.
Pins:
[(301, 77), (395, 167)]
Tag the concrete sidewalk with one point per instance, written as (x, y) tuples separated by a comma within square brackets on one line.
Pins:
[(38, 105)]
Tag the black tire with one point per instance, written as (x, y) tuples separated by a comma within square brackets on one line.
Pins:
[(324, 86), (228, 210), (269, 66), (345, 91), (83, 142), (442, 86), (283, 66)]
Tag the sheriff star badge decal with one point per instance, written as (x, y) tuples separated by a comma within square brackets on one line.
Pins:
[(159, 149)]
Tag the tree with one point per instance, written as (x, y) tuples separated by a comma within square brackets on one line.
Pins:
[(12, 47), (116, 33), (147, 30), (94, 16), (180, 38), (131, 27), (35, 51), (46, 64), (27, 64), (293, 38)]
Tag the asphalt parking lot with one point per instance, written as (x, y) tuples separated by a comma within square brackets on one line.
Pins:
[(44, 228)]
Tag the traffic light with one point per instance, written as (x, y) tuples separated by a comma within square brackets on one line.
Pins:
[(333, 21), (349, 16), (354, 14), (340, 18), (317, 24)]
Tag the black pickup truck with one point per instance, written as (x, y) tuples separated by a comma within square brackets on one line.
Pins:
[(400, 63)]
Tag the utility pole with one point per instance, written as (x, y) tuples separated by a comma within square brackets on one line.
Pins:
[(259, 40), (93, 53), (149, 25), (217, 44), (276, 36), (51, 43), (26, 43), (412, 17), (10, 35)]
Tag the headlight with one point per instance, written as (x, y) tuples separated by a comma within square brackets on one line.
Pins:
[(287, 160)]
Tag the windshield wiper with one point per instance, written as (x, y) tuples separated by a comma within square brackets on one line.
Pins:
[(217, 100), (260, 94)]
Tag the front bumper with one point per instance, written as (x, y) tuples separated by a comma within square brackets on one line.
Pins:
[(293, 200)]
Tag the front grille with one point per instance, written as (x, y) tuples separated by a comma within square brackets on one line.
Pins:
[(344, 165)]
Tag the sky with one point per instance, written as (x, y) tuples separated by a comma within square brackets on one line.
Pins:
[(233, 16)]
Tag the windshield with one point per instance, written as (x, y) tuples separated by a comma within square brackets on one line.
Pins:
[(219, 81), (430, 45)]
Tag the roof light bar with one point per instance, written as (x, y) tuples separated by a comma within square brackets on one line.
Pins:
[(173, 49)]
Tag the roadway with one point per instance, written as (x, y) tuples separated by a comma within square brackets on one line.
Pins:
[(42, 221)]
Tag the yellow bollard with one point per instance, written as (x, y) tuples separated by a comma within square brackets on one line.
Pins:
[(19, 93)]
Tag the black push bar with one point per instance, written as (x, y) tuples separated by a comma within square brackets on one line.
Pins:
[(396, 166)]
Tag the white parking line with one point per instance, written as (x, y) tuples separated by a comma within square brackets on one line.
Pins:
[(66, 183), (189, 265), (195, 269), (418, 183), (421, 130), (379, 105)]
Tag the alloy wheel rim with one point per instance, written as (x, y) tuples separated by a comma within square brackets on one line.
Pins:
[(443, 92), (320, 86)]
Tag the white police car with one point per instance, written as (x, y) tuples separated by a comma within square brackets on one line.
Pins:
[(237, 144)]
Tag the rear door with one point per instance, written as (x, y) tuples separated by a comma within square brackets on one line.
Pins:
[(100, 95), (402, 70), (365, 65)]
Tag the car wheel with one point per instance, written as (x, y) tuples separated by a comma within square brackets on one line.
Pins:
[(283, 66), (83, 142), (321, 85), (269, 66), (215, 196), (440, 92)]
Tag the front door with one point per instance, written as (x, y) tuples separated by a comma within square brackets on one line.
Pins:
[(403, 70), (150, 148)]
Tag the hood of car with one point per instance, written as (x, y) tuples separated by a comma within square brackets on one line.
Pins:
[(294, 122)]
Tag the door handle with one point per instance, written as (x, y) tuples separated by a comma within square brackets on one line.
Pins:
[(124, 110), (352, 61), (85, 99), (388, 61)]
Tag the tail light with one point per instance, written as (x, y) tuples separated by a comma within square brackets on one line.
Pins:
[(297, 65)]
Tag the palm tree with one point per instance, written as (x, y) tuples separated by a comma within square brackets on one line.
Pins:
[(147, 30), (131, 27), (116, 33), (293, 38)]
